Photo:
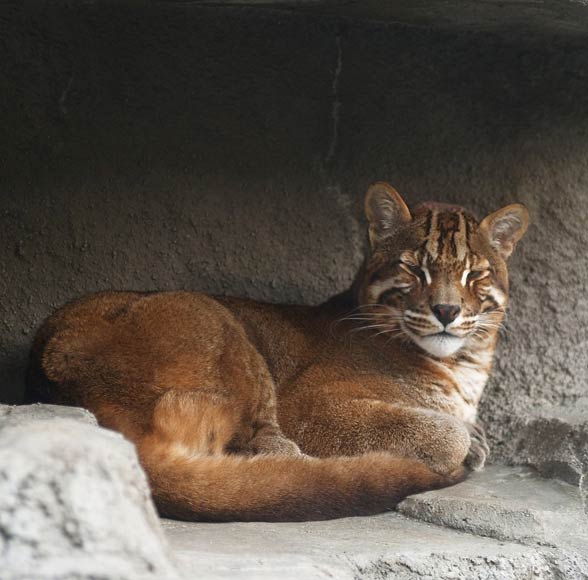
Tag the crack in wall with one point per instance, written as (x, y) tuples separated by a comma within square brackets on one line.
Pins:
[(335, 103), (343, 199), (63, 97)]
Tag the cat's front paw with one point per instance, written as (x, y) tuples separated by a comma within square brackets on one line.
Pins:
[(479, 450), (274, 444)]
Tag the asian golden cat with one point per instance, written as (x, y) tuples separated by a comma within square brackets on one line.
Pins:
[(249, 411)]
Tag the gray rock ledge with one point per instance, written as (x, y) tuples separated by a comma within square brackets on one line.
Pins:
[(74, 502), (507, 503), (389, 546)]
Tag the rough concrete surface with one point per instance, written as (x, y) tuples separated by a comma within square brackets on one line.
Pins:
[(387, 546), (17, 415), (518, 526), (554, 442), (163, 145), (74, 503), (507, 503)]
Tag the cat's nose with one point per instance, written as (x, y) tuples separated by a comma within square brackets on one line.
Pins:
[(446, 313)]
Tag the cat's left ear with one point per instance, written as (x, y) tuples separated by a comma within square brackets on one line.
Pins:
[(385, 211), (505, 227)]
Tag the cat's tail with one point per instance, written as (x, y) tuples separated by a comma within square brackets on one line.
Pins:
[(191, 479), (281, 488)]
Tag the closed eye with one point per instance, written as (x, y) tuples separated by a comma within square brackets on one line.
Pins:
[(417, 272), (475, 275), (470, 276), (393, 292), (397, 285)]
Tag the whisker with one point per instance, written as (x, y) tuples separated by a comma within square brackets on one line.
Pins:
[(388, 331), (369, 327), (368, 316)]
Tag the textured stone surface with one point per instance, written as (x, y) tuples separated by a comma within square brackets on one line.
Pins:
[(555, 441), (11, 415), (507, 504), (387, 546), (144, 147), (518, 526), (74, 503)]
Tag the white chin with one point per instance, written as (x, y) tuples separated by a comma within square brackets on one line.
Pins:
[(439, 346)]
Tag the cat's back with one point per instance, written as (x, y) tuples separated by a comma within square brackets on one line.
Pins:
[(108, 335)]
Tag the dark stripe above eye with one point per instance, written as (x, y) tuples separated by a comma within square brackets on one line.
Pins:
[(453, 245), (428, 224), (383, 297), (467, 230), (416, 271)]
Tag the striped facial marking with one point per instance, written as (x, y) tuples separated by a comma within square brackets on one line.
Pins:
[(442, 291)]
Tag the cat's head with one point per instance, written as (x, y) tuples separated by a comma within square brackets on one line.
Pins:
[(434, 274)]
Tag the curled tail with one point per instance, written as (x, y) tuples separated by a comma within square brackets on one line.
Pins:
[(193, 479), (284, 488)]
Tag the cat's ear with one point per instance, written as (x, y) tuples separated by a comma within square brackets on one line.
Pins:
[(505, 227), (385, 211)]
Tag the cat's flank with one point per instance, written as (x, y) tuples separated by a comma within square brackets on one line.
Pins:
[(249, 411)]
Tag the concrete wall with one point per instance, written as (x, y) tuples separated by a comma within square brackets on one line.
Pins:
[(161, 145)]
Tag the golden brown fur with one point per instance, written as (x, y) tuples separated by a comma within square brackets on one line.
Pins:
[(221, 395)]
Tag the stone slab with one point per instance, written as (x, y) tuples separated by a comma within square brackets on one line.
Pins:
[(386, 546), (507, 523), (554, 441), (507, 503)]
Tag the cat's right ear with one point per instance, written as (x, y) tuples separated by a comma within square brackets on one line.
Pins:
[(385, 211)]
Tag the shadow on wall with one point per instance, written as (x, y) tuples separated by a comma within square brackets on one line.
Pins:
[(149, 149)]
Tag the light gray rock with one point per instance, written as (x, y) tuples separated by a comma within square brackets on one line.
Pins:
[(554, 441), (11, 415), (379, 547), (74, 503), (537, 530), (507, 504)]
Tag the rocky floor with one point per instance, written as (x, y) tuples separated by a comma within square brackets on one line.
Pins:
[(74, 505), (503, 523)]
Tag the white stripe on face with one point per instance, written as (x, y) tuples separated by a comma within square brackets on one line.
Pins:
[(425, 270), (427, 274), (498, 296)]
